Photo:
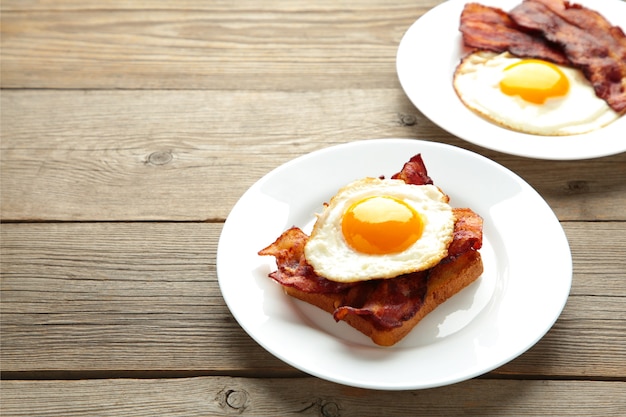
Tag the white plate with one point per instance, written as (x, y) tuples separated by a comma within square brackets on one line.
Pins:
[(430, 51), (524, 287)]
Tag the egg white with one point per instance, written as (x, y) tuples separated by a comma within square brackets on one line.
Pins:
[(331, 257), (476, 82)]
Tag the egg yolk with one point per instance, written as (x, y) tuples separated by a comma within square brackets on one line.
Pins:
[(534, 80), (380, 225)]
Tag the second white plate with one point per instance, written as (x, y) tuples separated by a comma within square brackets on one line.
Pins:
[(427, 57)]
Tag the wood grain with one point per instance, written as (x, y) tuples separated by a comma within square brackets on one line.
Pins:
[(202, 5), (144, 296), (190, 155), (128, 132), (223, 396), (115, 45)]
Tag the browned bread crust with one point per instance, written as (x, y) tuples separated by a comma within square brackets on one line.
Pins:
[(444, 281)]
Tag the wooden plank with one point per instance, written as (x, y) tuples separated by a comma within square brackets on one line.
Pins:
[(190, 155), (599, 261), (68, 298), (144, 297), (222, 396), (116, 45), (241, 5)]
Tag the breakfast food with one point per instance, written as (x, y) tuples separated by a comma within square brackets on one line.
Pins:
[(547, 67), (530, 95), (492, 29), (380, 228), (588, 40), (383, 254)]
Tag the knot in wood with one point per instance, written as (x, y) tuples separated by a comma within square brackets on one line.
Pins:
[(407, 119), (236, 399), (330, 410), (578, 186), (160, 158)]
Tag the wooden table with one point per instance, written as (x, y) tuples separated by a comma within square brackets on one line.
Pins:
[(129, 131)]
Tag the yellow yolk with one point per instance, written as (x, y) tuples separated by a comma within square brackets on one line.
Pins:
[(534, 80), (381, 225)]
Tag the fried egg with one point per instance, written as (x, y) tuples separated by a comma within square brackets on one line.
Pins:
[(530, 95), (380, 228)]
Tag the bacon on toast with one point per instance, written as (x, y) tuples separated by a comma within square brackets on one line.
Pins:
[(383, 309)]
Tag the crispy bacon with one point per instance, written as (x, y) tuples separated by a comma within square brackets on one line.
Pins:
[(588, 40), (414, 172), (388, 302), (468, 233), (293, 269), (492, 29)]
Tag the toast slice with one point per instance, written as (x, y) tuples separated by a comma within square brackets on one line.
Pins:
[(444, 281)]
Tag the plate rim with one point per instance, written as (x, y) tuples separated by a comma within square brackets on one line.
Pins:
[(346, 380), (600, 143)]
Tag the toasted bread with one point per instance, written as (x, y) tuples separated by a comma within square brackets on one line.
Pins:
[(444, 281)]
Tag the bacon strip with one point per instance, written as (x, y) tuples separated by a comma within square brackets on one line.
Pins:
[(468, 233), (388, 302), (414, 172), (492, 29), (293, 269), (587, 39)]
